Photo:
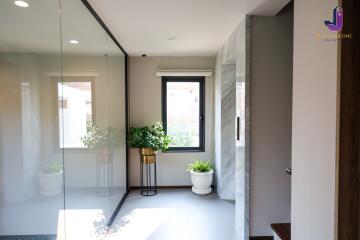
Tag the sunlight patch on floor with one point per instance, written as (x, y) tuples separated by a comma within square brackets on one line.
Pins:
[(139, 224), (78, 224)]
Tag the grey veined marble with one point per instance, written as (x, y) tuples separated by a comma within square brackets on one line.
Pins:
[(232, 105)]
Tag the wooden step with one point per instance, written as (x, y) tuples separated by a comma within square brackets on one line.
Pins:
[(283, 230)]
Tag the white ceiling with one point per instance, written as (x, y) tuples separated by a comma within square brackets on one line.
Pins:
[(201, 26), (36, 29)]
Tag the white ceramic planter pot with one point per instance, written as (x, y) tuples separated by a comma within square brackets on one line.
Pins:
[(51, 184), (201, 182)]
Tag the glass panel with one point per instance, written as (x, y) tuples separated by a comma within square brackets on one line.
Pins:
[(183, 106), (31, 169), (93, 122), (86, 185), (59, 107), (117, 123)]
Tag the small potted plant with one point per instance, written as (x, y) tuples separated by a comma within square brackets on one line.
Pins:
[(201, 176), (149, 140), (51, 178)]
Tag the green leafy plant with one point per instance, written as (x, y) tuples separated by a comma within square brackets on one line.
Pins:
[(101, 138), (200, 166), (52, 167), (152, 137)]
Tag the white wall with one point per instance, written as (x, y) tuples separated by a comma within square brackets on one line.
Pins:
[(270, 139), (145, 109), (314, 123)]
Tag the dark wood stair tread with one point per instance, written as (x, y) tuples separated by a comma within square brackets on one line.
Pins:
[(283, 230)]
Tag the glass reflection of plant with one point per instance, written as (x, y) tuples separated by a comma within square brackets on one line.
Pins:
[(101, 138), (51, 167), (104, 141)]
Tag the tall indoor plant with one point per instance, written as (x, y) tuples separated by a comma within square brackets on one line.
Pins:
[(149, 140)]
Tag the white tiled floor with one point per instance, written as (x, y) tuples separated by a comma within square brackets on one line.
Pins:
[(174, 214)]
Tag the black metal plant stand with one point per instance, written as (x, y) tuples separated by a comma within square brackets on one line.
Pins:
[(149, 184)]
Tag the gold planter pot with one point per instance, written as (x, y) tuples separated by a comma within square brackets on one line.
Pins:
[(147, 155)]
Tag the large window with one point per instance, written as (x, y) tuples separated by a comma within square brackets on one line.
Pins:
[(75, 111), (183, 112)]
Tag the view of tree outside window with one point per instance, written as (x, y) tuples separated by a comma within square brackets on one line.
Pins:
[(183, 108), (74, 111)]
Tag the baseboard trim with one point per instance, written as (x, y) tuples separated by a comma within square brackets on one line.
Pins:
[(164, 187), (28, 237), (168, 187), (262, 238)]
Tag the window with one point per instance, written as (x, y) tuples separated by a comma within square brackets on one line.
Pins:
[(74, 111), (183, 112)]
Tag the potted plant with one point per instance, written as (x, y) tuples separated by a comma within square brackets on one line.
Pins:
[(51, 178), (149, 140), (201, 176)]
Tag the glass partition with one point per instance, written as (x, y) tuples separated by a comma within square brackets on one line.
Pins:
[(31, 169), (94, 79), (62, 121), (116, 122)]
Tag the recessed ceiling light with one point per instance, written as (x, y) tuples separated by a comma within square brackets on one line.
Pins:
[(21, 3), (74, 41), (171, 38)]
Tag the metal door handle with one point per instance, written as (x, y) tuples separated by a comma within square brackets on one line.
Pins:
[(238, 128)]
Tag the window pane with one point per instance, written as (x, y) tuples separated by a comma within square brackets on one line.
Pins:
[(75, 112), (183, 106)]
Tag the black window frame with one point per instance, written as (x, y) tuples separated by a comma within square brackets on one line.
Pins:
[(201, 81)]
